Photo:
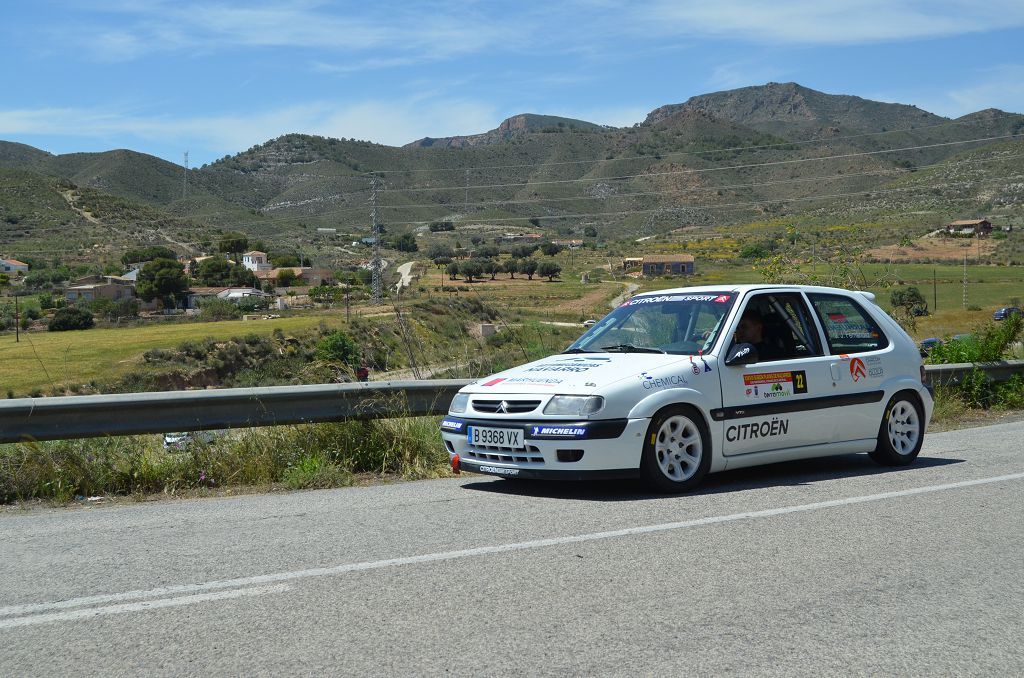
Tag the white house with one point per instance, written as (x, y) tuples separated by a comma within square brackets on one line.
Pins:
[(256, 261), (13, 266)]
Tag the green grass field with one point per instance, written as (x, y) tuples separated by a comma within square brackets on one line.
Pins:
[(45, 360)]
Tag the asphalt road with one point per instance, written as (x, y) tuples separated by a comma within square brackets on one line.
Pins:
[(826, 567)]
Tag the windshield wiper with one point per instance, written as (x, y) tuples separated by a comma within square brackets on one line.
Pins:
[(576, 350), (630, 348)]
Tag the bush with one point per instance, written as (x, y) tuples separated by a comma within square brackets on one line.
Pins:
[(338, 347), (70, 319), (218, 309)]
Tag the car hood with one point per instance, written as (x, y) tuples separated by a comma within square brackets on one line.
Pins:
[(580, 374)]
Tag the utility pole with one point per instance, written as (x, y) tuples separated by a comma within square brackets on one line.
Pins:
[(378, 293), (184, 182), (965, 279), (935, 292), (17, 319)]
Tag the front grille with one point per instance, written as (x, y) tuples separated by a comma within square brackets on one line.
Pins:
[(531, 455), (505, 406)]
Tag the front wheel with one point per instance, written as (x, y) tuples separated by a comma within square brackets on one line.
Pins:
[(901, 432), (677, 450)]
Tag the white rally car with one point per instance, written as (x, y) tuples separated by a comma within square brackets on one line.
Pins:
[(673, 385)]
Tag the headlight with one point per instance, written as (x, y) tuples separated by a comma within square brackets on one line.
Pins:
[(574, 406), (459, 403)]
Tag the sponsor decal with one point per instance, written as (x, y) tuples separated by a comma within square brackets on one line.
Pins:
[(536, 381), (874, 365), (695, 369), (654, 383), (707, 368), (451, 425), (721, 299), (637, 301), (492, 382), (774, 385), (500, 471), (580, 364), (857, 369), (559, 431), (754, 430)]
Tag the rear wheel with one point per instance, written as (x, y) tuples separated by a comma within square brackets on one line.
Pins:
[(901, 432), (677, 450)]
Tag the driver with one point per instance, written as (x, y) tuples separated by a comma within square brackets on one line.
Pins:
[(751, 331)]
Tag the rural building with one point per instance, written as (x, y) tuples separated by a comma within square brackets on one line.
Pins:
[(92, 287), (970, 227), (528, 238), (13, 266), (256, 261), (668, 264), (632, 262), (568, 243), (197, 295)]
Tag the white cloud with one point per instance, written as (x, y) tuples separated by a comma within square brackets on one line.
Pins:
[(1000, 86), (743, 74), (435, 31), (813, 22), (392, 123)]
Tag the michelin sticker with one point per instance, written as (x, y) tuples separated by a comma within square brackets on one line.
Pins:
[(774, 385)]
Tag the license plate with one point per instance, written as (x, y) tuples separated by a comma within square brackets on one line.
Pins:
[(496, 437)]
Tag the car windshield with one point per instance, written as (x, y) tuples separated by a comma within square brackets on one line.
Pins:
[(681, 323)]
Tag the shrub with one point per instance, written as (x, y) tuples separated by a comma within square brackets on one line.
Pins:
[(70, 318), (338, 347), (218, 309)]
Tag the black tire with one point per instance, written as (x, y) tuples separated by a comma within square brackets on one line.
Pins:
[(901, 432), (683, 466)]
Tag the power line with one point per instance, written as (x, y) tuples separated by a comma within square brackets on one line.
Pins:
[(810, 179)]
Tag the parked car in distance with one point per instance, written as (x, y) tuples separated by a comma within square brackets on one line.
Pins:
[(589, 323), (676, 384), (1006, 312), (928, 344)]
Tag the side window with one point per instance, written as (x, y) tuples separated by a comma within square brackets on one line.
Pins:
[(848, 328), (779, 326)]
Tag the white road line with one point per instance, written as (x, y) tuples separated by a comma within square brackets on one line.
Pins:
[(90, 612), (279, 577)]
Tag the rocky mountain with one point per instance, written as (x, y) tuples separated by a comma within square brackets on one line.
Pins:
[(720, 158)]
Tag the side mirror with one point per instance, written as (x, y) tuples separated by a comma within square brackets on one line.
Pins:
[(742, 354)]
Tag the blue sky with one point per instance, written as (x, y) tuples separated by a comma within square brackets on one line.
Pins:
[(216, 77)]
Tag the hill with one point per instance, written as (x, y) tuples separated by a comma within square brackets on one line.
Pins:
[(768, 152)]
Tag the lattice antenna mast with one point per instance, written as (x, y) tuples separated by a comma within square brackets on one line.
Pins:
[(184, 181), (376, 266)]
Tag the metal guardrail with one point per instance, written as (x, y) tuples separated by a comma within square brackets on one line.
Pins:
[(955, 373), (69, 417)]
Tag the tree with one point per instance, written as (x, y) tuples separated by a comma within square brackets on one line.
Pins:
[(5, 280), (442, 262), (512, 267), (528, 267), (909, 299), (438, 251), (476, 240), (70, 318), (488, 251), (213, 271), (406, 243), (590, 232), (493, 267), (233, 243), (535, 222), (471, 269), (286, 277), (441, 226), (164, 278), (143, 254), (283, 260), (551, 249), (524, 251), (549, 270), (452, 270)]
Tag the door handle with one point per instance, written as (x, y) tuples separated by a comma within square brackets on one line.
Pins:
[(836, 372)]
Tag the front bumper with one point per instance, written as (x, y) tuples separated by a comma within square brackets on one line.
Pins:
[(560, 450)]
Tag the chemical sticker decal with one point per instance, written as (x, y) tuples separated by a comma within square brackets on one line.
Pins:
[(774, 385)]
